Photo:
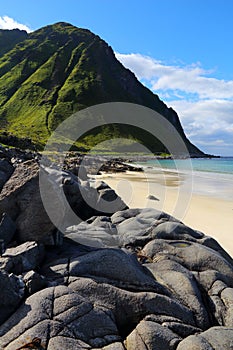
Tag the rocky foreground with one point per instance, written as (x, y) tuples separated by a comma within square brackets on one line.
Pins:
[(135, 279)]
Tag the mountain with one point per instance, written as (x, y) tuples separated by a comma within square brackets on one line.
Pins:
[(49, 74), (9, 38)]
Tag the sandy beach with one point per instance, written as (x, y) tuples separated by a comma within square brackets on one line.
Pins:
[(210, 212)]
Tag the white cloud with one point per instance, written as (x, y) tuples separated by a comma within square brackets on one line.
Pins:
[(189, 79), (206, 118), (9, 23), (203, 102)]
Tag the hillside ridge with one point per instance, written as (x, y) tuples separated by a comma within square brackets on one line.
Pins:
[(47, 75)]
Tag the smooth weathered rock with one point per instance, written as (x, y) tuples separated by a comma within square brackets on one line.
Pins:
[(22, 258), (207, 278), (227, 299), (99, 236), (135, 305), (114, 346), (213, 244), (63, 342), (183, 286), (106, 265), (38, 199), (215, 338), (137, 228), (120, 216), (162, 285), (59, 312), (192, 255), (150, 336), (175, 230), (181, 329)]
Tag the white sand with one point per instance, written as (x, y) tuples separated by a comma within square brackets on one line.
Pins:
[(206, 213)]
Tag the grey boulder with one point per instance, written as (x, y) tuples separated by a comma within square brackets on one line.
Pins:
[(215, 338), (57, 312)]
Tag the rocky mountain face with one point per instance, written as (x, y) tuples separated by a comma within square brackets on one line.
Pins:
[(47, 75), (133, 279)]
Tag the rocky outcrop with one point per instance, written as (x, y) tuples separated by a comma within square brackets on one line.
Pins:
[(136, 279), (20, 201), (165, 286), (116, 165)]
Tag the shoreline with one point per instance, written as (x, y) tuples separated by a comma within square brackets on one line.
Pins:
[(207, 213)]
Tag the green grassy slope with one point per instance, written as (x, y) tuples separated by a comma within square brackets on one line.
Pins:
[(47, 75)]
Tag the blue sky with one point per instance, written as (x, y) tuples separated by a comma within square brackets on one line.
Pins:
[(181, 49)]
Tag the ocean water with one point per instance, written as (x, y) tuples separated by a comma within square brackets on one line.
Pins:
[(209, 177), (222, 165)]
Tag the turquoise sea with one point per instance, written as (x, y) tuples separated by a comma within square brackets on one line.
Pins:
[(207, 176), (223, 165)]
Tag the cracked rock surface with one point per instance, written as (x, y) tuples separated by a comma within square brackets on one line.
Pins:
[(165, 286), (137, 279)]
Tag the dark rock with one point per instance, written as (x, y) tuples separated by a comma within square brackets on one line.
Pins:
[(22, 258), (84, 200), (6, 170), (213, 244), (102, 266), (220, 338), (138, 229), (135, 305), (184, 287), (99, 185), (109, 202), (118, 165), (2, 247), (7, 228), (227, 300), (81, 172), (207, 278), (63, 342), (181, 329), (162, 286), (150, 335), (192, 255), (175, 230), (20, 199), (34, 282), (152, 197), (12, 292), (97, 235), (120, 216), (59, 312)]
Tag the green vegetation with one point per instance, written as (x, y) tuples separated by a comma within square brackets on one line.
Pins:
[(10, 38), (47, 75)]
